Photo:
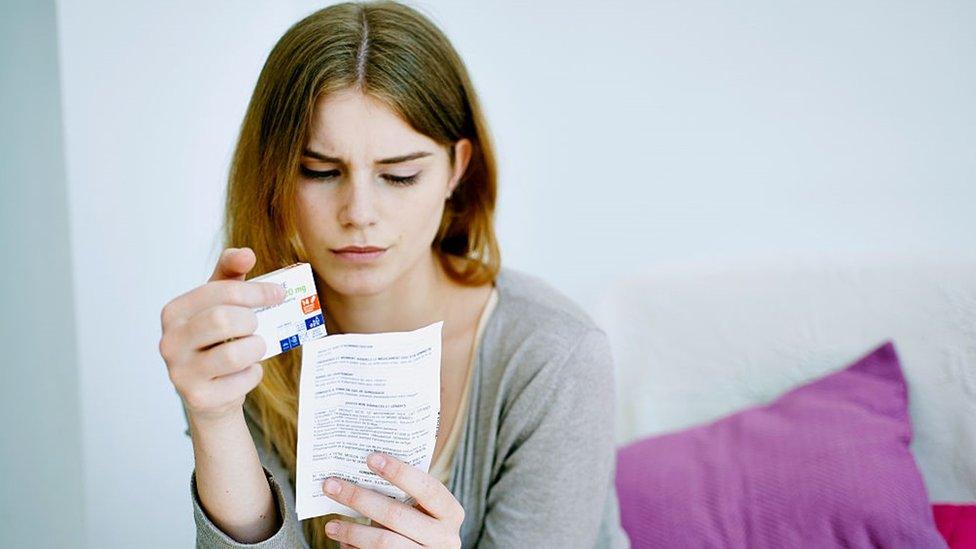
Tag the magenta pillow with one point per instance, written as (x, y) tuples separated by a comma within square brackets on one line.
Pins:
[(825, 465), (956, 523)]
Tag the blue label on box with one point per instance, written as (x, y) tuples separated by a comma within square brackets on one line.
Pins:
[(289, 343), (314, 322)]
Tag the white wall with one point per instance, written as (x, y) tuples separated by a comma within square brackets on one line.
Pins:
[(630, 135), (41, 440)]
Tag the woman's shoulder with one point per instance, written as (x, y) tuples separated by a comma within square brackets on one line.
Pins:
[(529, 297), (540, 351), (538, 325)]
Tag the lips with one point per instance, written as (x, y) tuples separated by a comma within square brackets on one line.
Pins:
[(358, 249), (359, 254)]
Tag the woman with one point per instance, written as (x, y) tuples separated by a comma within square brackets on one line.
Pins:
[(365, 153)]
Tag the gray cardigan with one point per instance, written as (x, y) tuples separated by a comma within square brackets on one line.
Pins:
[(534, 465)]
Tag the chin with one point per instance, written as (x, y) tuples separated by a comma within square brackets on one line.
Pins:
[(358, 282)]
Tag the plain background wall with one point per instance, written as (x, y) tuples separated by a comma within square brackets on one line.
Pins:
[(630, 135), (41, 440)]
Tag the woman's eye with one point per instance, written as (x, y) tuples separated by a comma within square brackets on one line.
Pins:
[(402, 180), (319, 175), (331, 174)]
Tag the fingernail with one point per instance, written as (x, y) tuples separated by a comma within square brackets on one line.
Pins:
[(332, 528), (377, 461), (279, 292), (332, 487)]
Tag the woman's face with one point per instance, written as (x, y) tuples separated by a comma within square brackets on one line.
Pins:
[(367, 179)]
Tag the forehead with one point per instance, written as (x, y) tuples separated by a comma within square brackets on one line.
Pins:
[(351, 123)]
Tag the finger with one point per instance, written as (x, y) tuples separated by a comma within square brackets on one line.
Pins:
[(240, 383), (218, 324), (223, 292), (232, 356), (233, 264), (429, 493), (396, 516), (360, 535)]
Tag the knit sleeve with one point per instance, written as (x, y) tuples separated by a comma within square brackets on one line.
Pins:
[(288, 536), (554, 481)]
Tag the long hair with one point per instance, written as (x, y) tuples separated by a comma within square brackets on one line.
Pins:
[(397, 55)]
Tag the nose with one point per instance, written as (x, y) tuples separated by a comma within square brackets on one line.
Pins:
[(358, 203)]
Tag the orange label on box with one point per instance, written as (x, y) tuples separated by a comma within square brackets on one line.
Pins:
[(310, 303)]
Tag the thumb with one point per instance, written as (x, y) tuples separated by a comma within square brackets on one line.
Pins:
[(233, 264)]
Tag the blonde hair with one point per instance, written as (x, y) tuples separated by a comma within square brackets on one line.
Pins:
[(396, 55)]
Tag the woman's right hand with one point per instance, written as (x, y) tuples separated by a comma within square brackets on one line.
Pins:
[(212, 374)]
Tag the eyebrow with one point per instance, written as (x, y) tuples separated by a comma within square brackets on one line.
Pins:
[(393, 160)]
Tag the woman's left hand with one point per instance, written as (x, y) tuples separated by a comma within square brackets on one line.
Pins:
[(435, 521)]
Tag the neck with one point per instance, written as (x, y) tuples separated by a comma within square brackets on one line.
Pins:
[(416, 299)]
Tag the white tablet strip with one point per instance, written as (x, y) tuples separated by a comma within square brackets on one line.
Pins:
[(295, 320)]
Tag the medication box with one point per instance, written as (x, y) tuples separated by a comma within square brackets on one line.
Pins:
[(295, 320)]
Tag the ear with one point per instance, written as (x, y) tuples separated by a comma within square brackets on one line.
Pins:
[(462, 155)]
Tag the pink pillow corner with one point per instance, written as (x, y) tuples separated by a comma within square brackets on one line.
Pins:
[(956, 523)]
